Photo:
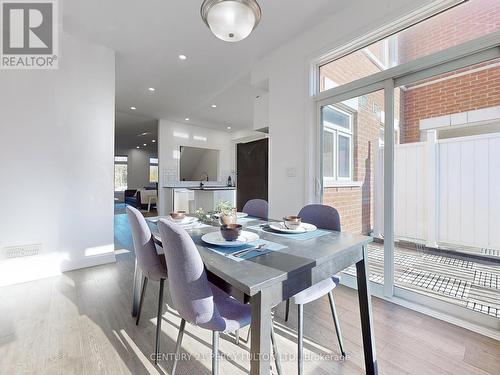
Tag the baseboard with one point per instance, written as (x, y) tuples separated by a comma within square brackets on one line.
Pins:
[(89, 261)]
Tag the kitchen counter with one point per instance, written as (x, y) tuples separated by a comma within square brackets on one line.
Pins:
[(212, 188)]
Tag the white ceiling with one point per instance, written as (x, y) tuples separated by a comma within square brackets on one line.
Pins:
[(149, 35), (129, 133)]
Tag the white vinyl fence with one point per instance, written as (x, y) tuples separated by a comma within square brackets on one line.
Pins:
[(446, 191)]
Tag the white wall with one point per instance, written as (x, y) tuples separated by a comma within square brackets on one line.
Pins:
[(138, 168), (172, 135), (56, 162), (286, 72)]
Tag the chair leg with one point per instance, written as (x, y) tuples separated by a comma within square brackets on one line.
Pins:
[(215, 353), (143, 293), (300, 339), (275, 350), (237, 336), (287, 309), (337, 323), (178, 345), (158, 320)]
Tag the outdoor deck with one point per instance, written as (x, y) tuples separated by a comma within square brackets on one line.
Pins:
[(467, 283)]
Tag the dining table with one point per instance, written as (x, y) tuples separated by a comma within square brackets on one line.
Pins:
[(268, 278)]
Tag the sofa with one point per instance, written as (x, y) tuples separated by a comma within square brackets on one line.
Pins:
[(139, 198)]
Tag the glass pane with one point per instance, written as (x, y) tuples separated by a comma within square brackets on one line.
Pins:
[(344, 156), (328, 143), (153, 160), (447, 200), (334, 117), (460, 24), (360, 203), (153, 173), (120, 177)]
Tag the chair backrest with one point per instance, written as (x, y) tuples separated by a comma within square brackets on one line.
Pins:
[(257, 208), (324, 217), (145, 249), (190, 291)]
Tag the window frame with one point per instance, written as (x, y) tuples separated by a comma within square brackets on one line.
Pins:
[(337, 131), (349, 45), (120, 162), (153, 163)]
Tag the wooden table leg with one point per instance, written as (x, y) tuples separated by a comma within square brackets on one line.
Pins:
[(260, 347), (136, 290), (365, 309)]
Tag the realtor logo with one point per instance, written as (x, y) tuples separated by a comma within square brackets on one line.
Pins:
[(29, 34)]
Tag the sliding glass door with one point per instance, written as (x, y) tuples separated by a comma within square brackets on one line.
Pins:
[(410, 159)]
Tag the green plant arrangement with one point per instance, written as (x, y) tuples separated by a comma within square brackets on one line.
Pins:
[(202, 216), (223, 210)]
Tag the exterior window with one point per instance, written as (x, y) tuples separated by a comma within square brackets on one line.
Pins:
[(465, 22), (121, 173), (337, 144), (153, 169)]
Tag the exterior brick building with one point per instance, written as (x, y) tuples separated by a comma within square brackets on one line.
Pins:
[(463, 90)]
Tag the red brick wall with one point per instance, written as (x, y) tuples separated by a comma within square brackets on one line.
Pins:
[(348, 202), (472, 91), (464, 93), (463, 23)]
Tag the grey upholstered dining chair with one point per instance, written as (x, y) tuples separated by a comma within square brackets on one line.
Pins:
[(324, 217), (151, 264), (257, 208), (197, 300)]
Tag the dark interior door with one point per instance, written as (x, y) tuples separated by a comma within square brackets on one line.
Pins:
[(252, 167)]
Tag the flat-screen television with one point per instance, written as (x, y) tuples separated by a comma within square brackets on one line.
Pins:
[(198, 164)]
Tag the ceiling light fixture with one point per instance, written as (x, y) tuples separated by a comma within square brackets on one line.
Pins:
[(137, 147), (144, 144), (133, 108), (154, 141), (214, 106), (182, 57), (152, 89), (187, 119), (231, 20)]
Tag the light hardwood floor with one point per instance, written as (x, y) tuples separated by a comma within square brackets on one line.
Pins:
[(80, 323)]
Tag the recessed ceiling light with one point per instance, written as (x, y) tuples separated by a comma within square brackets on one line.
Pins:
[(133, 108), (214, 105), (228, 128), (152, 89), (187, 119), (182, 57), (154, 140), (144, 144), (137, 147)]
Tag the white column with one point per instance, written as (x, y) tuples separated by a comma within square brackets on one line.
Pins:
[(432, 188)]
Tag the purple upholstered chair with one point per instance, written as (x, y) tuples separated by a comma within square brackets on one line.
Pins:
[(197, 300), (324, 217), (152, 265), (257, 208)]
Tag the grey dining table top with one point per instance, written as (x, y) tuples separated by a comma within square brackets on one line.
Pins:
[(253, 275)]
